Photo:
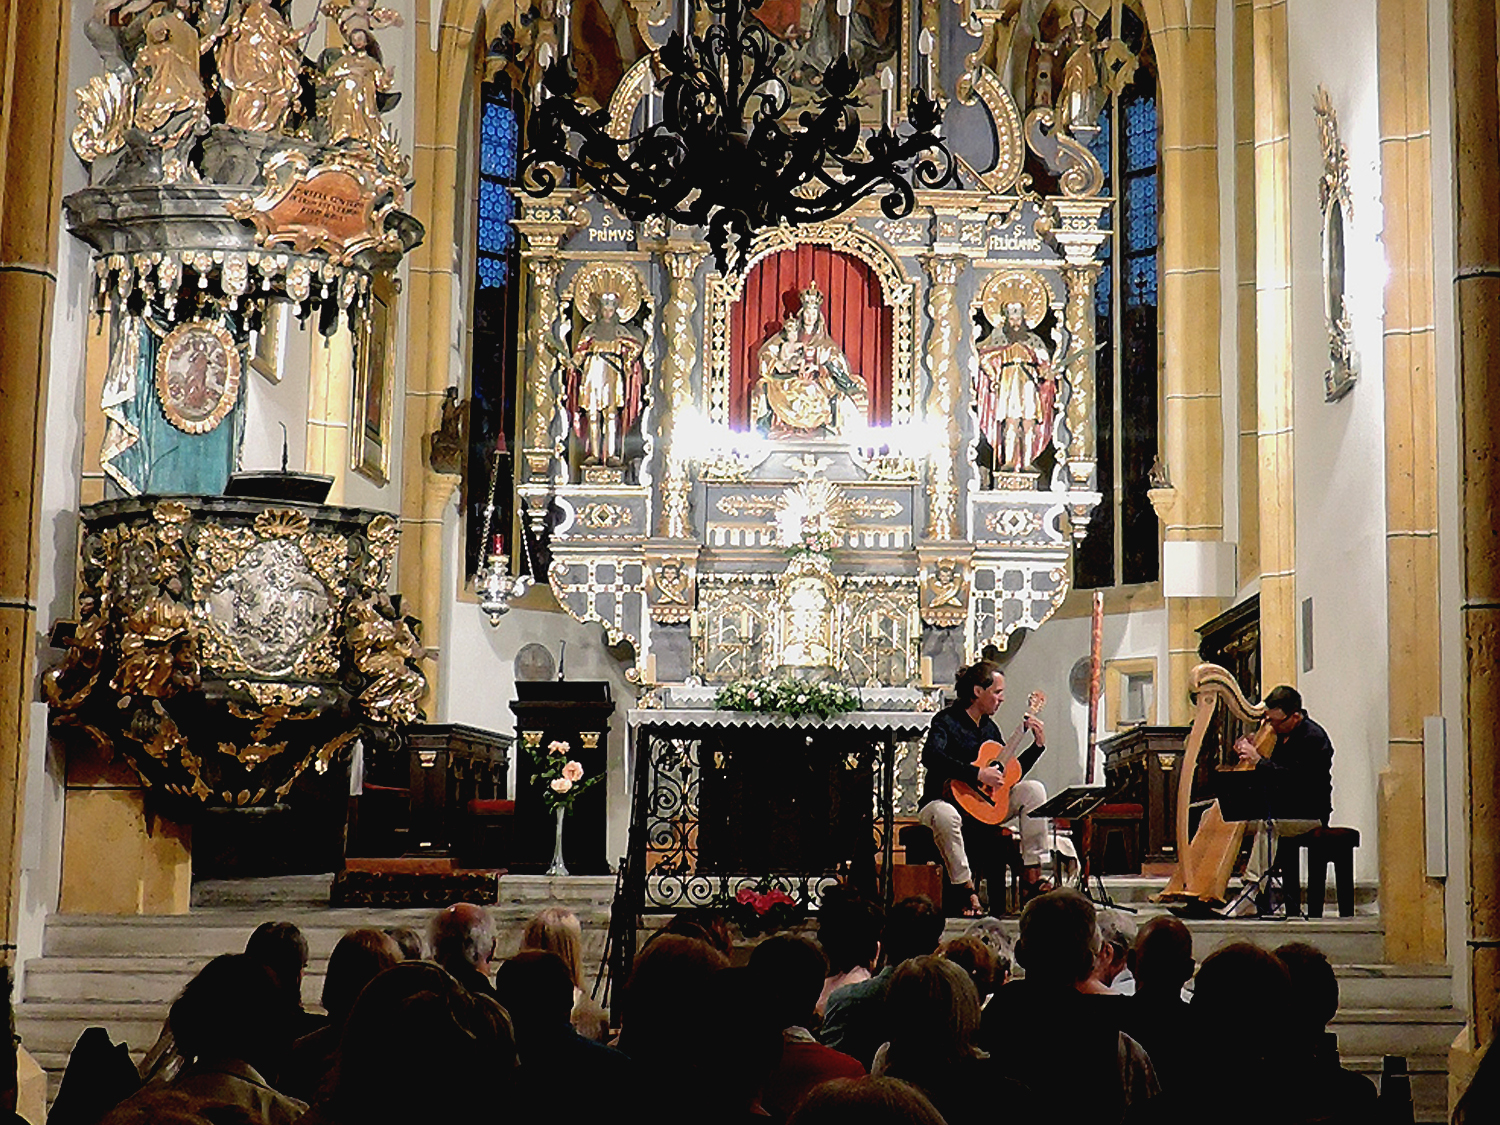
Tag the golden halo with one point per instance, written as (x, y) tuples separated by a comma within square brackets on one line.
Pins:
[(1021, 287), (599, 278)]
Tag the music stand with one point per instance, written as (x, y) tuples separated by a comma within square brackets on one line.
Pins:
[(1245, 795), (1078, 802)]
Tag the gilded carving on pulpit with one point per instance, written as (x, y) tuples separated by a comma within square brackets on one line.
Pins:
[(158, 650), (945, 593), (805, 387), (69, 683), (386, 653), (198, 376), (1016, 387), (259, 61), (355, 81), (606, 377), (170, 100), (271, 607)]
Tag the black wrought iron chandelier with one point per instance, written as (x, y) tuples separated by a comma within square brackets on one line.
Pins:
[(721, 156)]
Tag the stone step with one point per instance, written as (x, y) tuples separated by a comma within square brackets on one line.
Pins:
[(1396, 1031), (54, 1026), (1138, 890), (311, 891), (1395, 986), (1429, 1082)]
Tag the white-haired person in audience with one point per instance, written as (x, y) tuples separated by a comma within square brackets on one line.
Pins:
[(462, 937), (556, 929)]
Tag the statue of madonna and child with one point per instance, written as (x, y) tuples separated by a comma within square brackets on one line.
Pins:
[(804, 386)]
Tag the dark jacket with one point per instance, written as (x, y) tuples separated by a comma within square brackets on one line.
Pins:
[(952, 745), (1300, 773)]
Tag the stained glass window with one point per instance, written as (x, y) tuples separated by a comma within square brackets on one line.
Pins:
[(498, 135)]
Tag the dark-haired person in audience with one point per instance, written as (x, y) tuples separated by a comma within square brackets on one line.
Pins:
[(462, 937), (987, 967), (1241, 996), (933, 1013), (788, 971), (867, 1101), (556, 929), (280, 947), (1157, 1015), (536, 989), (1325, 1090), (666, 981), (948, 755), (225, 1023), (411, 942), (706, 925), (419, 1047), (855, 1021), (849, 931), (358, 958), (1052, 1037)]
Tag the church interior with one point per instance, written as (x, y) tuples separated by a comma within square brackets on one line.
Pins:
[(521, 452)]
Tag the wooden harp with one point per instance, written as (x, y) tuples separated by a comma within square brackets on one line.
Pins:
[(1203, 865)]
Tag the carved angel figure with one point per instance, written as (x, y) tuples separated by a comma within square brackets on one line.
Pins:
[(258, 65), (69, 683), (167, 64), (354, 78), (158, 650), (385, 649)]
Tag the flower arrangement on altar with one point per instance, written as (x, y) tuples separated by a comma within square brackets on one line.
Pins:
[(787, 697), (561, 778), (811, 518), (764, 909)]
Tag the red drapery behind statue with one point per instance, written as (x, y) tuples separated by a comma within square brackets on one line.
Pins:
[(857, 317)]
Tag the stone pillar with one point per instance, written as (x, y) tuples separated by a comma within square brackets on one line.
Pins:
[(944, 333), (1193, 418), (675, 520), (1411, 905), (1273, 329), (1247, 438), (1476, 285), (35, 52), (330, 397)]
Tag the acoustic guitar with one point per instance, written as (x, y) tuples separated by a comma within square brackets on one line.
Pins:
[(990, 803)]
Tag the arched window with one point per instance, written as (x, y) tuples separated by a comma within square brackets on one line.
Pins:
[(1122, 546), (493, 382)]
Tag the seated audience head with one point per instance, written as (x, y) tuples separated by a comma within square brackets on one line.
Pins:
[(1244, 986), (280, 947), (1315, 986), (932, 1011), (557, 930), (913, 928), (849, 930), (418, 1046), (1058, 938), (536, 989), (463, 936), (231, 1010), (1162, 960), (736, 1045), (358, 958), (666, 982), (412, 944), (789, 972), (866, 1101), (1116, 937), (706, 925), (978, 959)]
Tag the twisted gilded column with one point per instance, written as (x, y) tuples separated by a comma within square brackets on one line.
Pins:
[(677, 378), (943, 335), (541, 395), (1078, 318)]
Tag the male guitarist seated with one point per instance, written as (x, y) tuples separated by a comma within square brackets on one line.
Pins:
[(953, 743)]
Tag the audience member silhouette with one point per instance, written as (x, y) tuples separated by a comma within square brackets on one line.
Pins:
[(1480, 1102), (536, 989), (1031, 1019), (462, 938), (1111, 975), (1323, 1091), (411, 942), (933, 1014), (226, 1023), (735, 1049), (557, 930), (1156, 1016), (99, 1077), (280, 947), (985, 967), (854, 1021), (705, 925), (665, 988), (419, 1046), (788, 971), (849, 931), (867, 1101), (358, 958)]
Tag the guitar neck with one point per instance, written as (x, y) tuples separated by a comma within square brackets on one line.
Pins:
[(1013, 745)]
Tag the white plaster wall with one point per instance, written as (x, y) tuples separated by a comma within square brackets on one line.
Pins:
[(1339, 447), (1044, 661)]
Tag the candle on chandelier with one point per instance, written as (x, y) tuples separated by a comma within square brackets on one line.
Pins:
[(649, 99), (565, 27), (925, 44), (845, 7), (888, 98)]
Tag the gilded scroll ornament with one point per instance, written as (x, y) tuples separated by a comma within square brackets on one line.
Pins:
[(104, 116), (983, 84), (1337, 203), (158, 650), (599, 516), (387, 654)]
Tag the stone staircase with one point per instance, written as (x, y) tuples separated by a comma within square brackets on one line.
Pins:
[(122, 973)]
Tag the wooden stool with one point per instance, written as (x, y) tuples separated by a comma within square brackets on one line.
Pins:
[(489, 832), (921, 848), (1117, 838), (1324, 846)]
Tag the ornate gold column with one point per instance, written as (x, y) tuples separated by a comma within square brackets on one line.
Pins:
[(540, 397), (945, 326), (34, 39), (1273, 325), (1193, 437), (1079, 320), (674, 521), (1411, 905), (1476, 286)]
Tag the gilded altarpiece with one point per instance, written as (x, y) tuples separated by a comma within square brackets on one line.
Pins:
[(862, 458)]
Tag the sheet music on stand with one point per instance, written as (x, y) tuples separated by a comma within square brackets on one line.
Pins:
[(1078, 802)]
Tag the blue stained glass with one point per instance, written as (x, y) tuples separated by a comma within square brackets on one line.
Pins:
[(498, 136), (1140, 282), (1140, 213), (1099, 145), (493, 272), (496, 208), (1102, 289), (1140, 133)]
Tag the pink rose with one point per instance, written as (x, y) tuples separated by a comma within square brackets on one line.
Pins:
[(573, 772), (561, 785)]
